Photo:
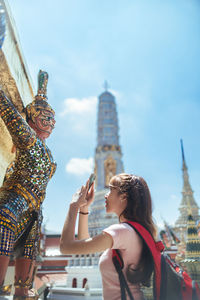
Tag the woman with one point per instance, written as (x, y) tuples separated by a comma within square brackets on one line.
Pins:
[(129, 198)]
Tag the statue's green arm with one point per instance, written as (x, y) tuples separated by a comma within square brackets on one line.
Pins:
[(21, 133)]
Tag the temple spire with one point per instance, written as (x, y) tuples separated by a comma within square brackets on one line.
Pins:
[(187, 190), (182, 150), (108, 157), (108, 160), (184, 166), (188, 204), (107, 123), (106, 85)]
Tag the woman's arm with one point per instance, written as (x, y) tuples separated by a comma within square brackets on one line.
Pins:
[(68, 244), (83, 215), (83, 224)]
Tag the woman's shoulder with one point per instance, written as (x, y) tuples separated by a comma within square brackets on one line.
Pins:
[(117, 226), (123, 235), (122, 229)]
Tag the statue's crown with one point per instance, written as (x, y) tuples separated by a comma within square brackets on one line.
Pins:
[(42, 86), (40, 101)]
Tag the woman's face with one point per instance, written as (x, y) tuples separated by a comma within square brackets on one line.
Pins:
[(115, 202)]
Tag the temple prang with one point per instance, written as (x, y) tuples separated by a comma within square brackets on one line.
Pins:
[(188, 203)]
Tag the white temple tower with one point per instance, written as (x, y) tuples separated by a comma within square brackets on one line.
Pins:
[(108, 160)]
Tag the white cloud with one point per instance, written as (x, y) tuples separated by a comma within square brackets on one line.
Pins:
[(80, 115), (79, 106), (80, 166)]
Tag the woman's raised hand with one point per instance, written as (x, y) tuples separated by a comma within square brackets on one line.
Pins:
[(90, 195), (84, 196), (80, 196)]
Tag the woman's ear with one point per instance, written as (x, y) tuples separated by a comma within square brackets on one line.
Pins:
[(123, 198)]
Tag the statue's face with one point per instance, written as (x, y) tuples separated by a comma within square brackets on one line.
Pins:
[(43, 123)]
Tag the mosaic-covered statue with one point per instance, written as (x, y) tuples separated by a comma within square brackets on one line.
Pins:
[(24, 186)]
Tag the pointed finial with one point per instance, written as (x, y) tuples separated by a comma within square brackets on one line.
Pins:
[(182, 150), (106, 86), (42, 85)]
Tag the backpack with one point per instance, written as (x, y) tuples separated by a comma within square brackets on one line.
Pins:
[(170, 282)]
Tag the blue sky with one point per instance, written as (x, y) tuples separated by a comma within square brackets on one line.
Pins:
[(148, 50)]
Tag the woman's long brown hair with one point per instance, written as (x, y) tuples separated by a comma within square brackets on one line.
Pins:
[(138, 209)]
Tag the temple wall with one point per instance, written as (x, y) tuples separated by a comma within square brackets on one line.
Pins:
[(15, 82)]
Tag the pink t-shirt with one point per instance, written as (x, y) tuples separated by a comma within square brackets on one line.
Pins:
[(130, 244)]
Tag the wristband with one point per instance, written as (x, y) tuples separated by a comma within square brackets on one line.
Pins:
[(83, 213)]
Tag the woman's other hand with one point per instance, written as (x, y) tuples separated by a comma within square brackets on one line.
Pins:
[(89, 198), (80, 196)]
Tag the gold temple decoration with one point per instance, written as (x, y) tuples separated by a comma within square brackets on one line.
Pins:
[(109, 169)]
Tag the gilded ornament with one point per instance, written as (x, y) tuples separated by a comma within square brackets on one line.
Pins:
[(110, 169)]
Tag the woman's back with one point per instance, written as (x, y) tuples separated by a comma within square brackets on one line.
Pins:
[(130, 245)]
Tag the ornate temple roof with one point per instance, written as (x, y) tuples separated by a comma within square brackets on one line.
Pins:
[(107, 131), (106, 96), (193, 241)]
